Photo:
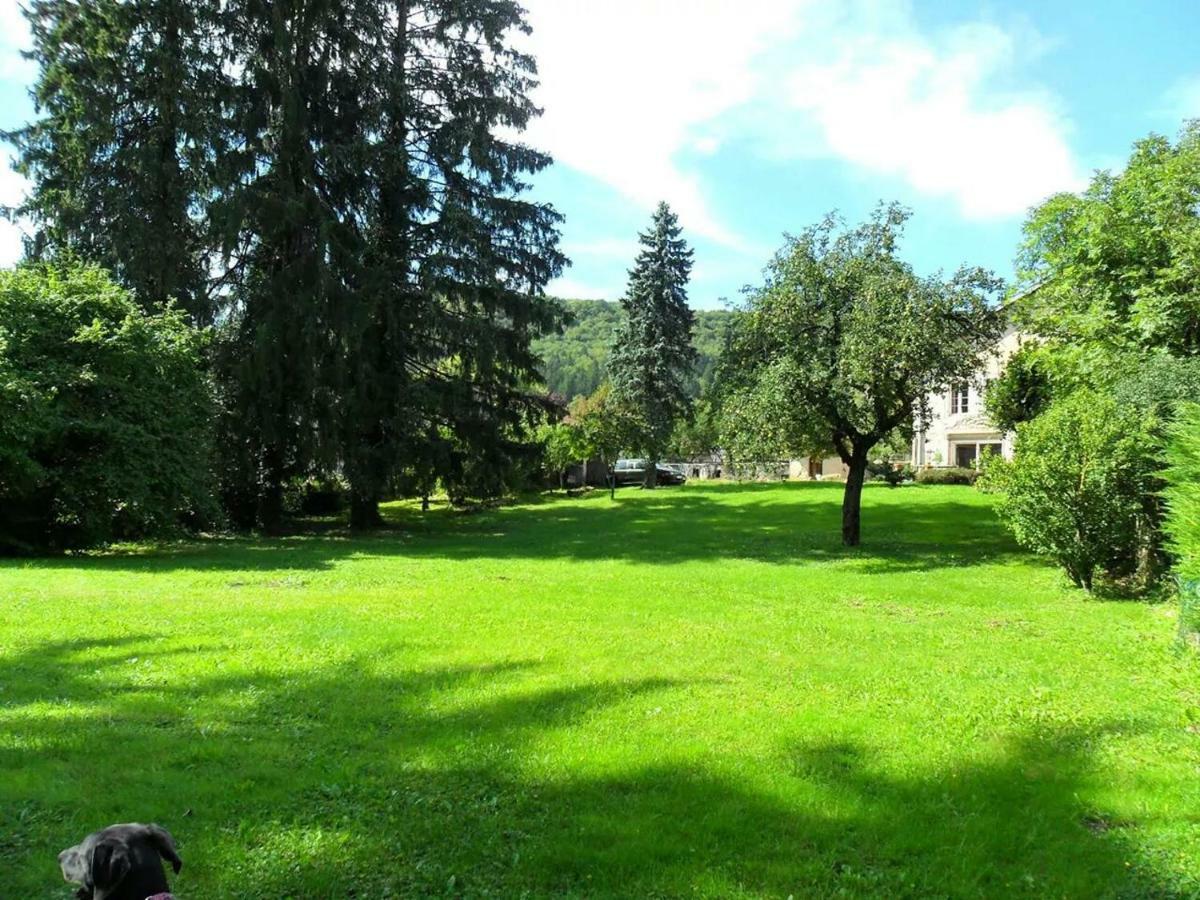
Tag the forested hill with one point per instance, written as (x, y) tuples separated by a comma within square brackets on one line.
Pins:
[(573, 362)]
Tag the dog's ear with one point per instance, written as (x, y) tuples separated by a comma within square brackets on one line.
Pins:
[(165, 844), (110, 864)]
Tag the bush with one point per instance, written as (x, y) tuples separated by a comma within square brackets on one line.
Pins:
[(951, 475), (887, 471), (316, 496), (1078, 485), (1182, 522), (104, 413)]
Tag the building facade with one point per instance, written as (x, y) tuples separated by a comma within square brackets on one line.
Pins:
[(959, 432), (815, 468)]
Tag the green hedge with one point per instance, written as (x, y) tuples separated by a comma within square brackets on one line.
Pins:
[(1183, 512), (951, 475)]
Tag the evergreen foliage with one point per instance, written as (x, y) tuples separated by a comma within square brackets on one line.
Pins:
[(575, 362), (123, 154), (336, 183), (652, 352)]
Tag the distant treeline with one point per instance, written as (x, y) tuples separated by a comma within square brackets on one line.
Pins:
[(574, 362)]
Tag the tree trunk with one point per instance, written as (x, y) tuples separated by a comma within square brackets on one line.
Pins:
[(364, 512), (651, 480), (852, 500), (270, 497)]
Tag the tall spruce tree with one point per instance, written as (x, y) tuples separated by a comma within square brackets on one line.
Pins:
[(652, 351), (438, 340), (122, 156), (291, 221), (337, 190)]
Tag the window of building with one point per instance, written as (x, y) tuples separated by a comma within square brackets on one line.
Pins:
[(960, 399)]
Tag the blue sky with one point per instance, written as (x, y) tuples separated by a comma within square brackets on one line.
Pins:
[(754, 117)]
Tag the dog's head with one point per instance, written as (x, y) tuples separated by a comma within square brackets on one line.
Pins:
[(105, 859)]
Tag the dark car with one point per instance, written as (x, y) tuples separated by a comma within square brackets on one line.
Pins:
[(633, 471)]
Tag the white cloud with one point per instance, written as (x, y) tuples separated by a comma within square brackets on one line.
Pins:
[(631, 88), (625, 84), (635, 89), (926, 111)]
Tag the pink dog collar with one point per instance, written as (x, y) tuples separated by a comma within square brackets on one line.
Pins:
[(162, 897)]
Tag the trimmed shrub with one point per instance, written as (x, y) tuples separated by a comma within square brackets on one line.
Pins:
[(951, 475), (1078, 485), (104, 413), (1182, 521)]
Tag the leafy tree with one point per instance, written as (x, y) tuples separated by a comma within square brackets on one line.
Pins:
[(605, 425), (105, 413), (844, 343), (699, 435), (1108, 283), (1109, 287), (1022, 391), (1119, 266), (1155, 384), (652, 350), (123, 154), (563, 446), (1076, 488)]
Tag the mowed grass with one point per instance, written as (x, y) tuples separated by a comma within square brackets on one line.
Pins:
[(687, 692)]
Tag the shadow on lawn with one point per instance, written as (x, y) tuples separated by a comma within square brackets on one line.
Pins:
[(353, 782), (908, 529)]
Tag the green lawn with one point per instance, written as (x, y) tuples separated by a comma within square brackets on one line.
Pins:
[(690, 692)]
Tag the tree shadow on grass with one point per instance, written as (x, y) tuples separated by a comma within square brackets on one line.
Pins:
[(905, 530), (365, 780)]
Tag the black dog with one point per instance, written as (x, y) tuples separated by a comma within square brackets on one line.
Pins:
[(121, 863)]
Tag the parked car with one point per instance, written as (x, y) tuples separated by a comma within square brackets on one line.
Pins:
[(668, 474), (633, 471)]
